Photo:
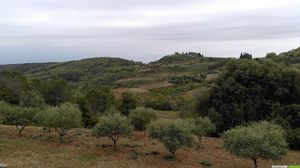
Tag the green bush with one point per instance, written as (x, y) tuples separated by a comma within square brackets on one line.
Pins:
[(203, 126), (158, 101), (141, 117), (61, 118), (259, 140), (206, 163), (174, 134), (134, 154), (112, 126)]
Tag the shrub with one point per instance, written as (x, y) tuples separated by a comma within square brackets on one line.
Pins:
[(61, 118), (174, 134), (259, 140), (154, 153), (134, 154), (141, 117), (158, 102), (112, 126), (206, 163), (203, 126)]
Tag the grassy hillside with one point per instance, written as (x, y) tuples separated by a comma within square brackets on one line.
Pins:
[(290, 58), (26, 68), (122, 74), (172, 75)]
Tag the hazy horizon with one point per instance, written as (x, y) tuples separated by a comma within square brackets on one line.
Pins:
[(140, 30)]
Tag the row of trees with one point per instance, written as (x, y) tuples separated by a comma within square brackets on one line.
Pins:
[(62, 118), (261, 140), (174, 134), (257, 140)]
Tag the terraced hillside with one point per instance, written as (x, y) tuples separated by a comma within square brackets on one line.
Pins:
[(122, 73)]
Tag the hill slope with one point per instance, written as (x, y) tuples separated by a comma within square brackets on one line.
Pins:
[(120, 72)]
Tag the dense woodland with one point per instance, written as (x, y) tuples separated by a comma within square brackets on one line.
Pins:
[(97, 93)]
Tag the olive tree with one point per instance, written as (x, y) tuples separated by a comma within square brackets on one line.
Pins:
[(18, 116), (203, 127), (141, 117), (62, 118), (259, 140), (174, 134), (113, 126)]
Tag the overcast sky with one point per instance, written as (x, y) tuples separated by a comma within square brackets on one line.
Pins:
[(144, 30)]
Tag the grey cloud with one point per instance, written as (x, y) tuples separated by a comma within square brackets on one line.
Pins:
[(55, 30)]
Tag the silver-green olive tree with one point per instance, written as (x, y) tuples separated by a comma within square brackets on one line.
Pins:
[(203, 127), (141, 117), (262, 140), (174, 134), (62, 118), (18, 116), (113, 126)]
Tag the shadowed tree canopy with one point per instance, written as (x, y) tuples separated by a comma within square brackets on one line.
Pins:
[(128, 102), (250, 90), (55, 91), (245, 56), (31, 99), (99, 99), (12, 84)]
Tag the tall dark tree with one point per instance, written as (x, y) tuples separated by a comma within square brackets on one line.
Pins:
[(55, 91), (98, 100), (250, 90), (12, 84), (88, 118), (245, 56), (128, 102)]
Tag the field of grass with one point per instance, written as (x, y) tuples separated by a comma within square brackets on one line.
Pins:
[(38, 148)]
